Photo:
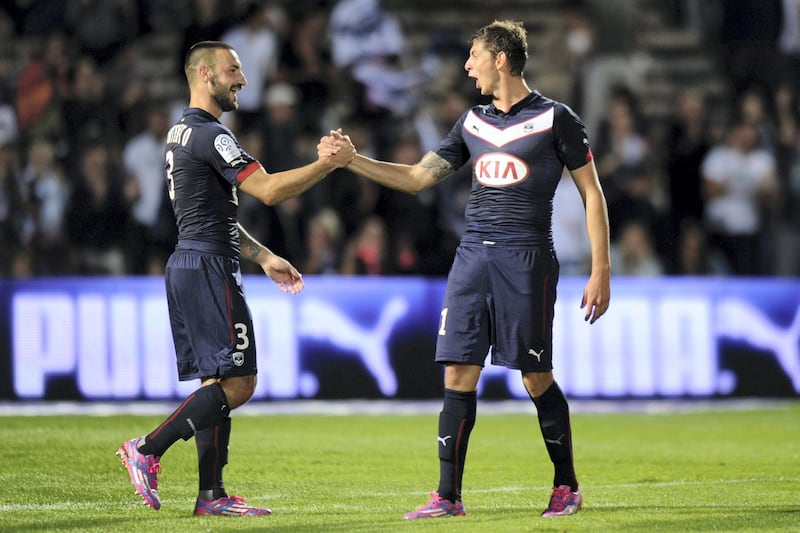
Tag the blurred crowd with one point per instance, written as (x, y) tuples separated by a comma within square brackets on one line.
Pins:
[(88, 89)]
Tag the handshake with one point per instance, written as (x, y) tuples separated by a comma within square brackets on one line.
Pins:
[(336, 147)]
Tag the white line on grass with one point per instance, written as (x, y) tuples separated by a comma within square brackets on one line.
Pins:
[(387, 407), (105, 505)]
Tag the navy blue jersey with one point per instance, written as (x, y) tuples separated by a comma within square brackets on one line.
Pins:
[(517, 158), (204, 165)]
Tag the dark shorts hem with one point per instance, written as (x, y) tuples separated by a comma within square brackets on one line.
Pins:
[(201, 375), (458, 359)]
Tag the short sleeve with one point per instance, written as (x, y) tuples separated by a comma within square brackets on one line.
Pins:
[(571, 141), (452, 148)]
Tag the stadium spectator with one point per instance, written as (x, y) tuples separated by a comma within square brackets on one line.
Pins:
[(754, 108), (267, 227), (98, 215), (599, 44), (36, 18), (633, 253), (89, 113), (504, 275), (130, 92), (102, 27), (258, 46), (416, 234), (688, 140), (9, 133), (42, 89), (789, 42), (368, 252), (624, 161), (569, 230), (205, 20), (252, 213), (281, 127), (210, 319), (9, 50), (360, 29), (695, 257), (13, 217), (153, 231), (567, 54), (785, 237), (355, 198), (617, 57), (451, 194), (47, 191), (749, 33), (739, 184), (368, 44), (323, 243), (306, 64)]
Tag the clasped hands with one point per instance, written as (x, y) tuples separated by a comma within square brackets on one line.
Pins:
[(337, 147)]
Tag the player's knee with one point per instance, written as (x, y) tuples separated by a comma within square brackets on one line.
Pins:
[(537, 382), (238, 390), (462, 377)]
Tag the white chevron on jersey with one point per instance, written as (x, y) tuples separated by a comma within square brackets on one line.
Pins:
[(500, 137)]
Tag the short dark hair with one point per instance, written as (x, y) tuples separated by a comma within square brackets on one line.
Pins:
[(506, 36), (200, 52)]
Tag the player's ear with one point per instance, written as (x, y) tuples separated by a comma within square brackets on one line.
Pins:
[(500, 60)]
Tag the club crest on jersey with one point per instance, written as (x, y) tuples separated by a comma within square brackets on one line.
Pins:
[(498, 169), (227, 148)]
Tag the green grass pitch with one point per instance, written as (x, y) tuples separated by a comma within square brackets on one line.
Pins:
[(728, 470)]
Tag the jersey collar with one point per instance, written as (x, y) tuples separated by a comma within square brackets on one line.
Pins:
[(199, 112), (516, 107)]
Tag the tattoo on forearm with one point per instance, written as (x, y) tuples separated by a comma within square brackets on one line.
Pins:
[(248, 246), (249, 250), (439, 167)]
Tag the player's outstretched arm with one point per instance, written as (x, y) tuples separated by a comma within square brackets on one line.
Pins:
[(597, 293), (405, 178), (277, 268), (274, 188)]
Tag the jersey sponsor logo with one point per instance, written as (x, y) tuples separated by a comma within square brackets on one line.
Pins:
[(477, 127), (227, 148), (497, 169)]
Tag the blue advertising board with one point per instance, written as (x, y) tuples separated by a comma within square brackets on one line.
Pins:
[(374, 337)]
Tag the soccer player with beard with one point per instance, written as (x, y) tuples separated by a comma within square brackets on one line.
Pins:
[(211, 324), (501, 289)]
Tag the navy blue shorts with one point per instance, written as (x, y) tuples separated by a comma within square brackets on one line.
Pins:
[(211, 324), (499, 298)]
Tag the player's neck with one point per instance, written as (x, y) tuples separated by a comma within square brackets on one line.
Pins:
[(510, 93), (207, 105)]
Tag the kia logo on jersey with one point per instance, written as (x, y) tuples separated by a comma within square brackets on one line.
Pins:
[(497, 169)]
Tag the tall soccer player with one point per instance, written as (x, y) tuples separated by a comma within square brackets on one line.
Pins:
[(211, 324), (501, 289)]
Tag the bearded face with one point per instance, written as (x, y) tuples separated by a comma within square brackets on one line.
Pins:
[(225, 95)]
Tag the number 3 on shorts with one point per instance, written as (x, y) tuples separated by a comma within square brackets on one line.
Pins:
[(241, 332)]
